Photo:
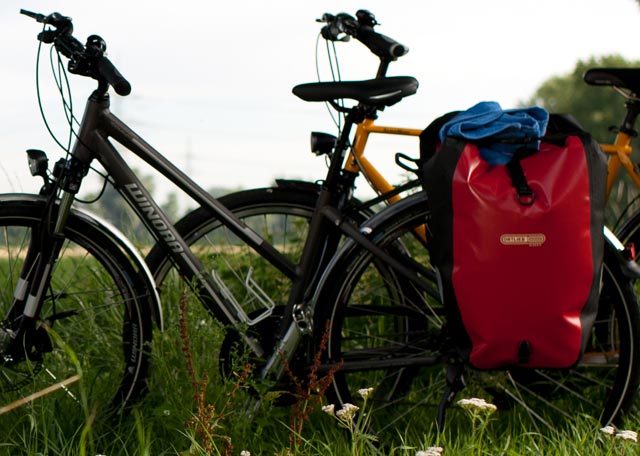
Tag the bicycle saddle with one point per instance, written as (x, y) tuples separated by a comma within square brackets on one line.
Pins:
[(375, 92), (624, 78)]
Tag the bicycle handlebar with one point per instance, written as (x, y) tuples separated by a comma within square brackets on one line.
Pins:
[(84, 60), (342, 27)]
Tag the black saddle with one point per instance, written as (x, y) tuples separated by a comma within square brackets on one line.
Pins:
[(624, 78), (374, 92)]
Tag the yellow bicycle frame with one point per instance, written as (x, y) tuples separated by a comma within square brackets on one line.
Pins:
[(356, 161), (619, 155)]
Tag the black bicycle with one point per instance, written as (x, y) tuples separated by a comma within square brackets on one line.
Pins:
[(75, 289)]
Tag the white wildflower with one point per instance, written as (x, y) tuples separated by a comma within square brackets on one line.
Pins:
[(431, 451), (245, 453), (609, 430), (365, 392), (627, 435), (347, 412), (329, 409), (477, 404)]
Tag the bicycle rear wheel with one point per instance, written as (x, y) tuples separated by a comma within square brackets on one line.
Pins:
[(95, 321), (379, 330)]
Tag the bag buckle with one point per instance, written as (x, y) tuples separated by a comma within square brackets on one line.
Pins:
[(526, 197)]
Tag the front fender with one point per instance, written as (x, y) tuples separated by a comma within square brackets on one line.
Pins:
[(113, 234)]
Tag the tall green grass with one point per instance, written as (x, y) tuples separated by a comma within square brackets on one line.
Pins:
[(191, 409), (169, 420)]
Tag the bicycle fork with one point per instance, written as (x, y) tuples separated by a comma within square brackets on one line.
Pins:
[(29, 339), (21, 336)]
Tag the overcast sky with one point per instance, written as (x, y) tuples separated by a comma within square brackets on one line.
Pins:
[(212, 80)]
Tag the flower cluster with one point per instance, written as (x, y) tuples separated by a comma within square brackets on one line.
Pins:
[(329, 409), (623, 435), (355, 420), (347, 412), (477, 404), (609, 430), (431, 451), (365, 392), (627, 435)]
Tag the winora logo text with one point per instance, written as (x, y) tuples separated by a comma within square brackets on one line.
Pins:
[(153, 217), (528, 239)]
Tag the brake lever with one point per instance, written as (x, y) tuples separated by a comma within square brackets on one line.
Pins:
[(339, 27), (57, 20), (332, 32), (62, 25), (327, 18)]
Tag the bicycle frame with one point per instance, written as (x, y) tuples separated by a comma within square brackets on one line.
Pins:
[(619, 156), (93, 143), (356, 161)]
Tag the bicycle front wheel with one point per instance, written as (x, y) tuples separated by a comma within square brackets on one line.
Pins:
[(395, 340), (94, 323)]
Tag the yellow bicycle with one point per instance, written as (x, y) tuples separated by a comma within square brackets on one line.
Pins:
[(626, 81)]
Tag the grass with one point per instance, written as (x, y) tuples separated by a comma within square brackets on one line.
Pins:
[(161, 426), (191, 410)]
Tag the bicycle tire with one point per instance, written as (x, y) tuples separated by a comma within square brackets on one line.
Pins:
[(368, 336), (97, 307)]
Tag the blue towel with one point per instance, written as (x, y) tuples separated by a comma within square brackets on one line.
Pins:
[(500, 132)]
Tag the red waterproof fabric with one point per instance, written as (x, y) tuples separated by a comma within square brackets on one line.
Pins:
[(522, 274)]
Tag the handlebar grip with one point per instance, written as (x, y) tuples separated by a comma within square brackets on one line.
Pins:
[(111, 75), (381, 45)]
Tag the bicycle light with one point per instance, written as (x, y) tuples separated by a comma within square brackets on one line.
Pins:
[(322, 143), (38, 162)]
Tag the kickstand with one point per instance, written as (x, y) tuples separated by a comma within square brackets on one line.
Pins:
[(455, 383)]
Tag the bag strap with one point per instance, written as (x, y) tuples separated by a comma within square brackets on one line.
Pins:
[(560, 126), (525, 195)]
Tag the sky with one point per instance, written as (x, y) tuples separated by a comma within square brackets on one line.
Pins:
[(211, 80)]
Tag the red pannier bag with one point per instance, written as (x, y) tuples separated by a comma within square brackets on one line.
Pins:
[(520, 273)]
